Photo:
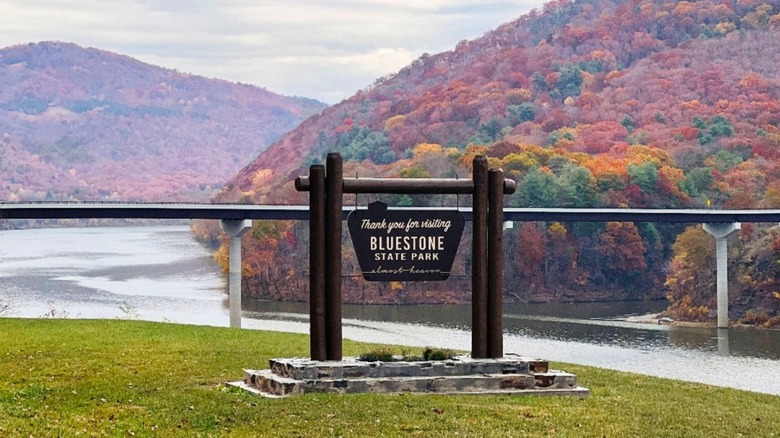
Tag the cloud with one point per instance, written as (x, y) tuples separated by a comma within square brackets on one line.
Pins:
[(325, 50)]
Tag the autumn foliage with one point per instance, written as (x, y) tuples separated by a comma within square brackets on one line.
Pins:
[(593, 103)]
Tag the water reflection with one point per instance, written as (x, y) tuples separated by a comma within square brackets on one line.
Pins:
[(156, 273), (723, 342), (587, 334), (592, 323)]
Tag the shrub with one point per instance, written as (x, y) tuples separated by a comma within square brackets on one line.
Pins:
[(385, 354), (754, 317), (381, 354)]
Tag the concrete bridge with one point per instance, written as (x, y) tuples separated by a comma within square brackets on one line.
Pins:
[(236, 219), (137, 210)]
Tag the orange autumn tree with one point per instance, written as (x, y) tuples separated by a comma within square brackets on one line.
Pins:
[(561, 257), (623, 251), (691, 283), (530, 255)]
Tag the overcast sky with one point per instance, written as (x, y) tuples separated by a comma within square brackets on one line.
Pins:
[(326, 50)]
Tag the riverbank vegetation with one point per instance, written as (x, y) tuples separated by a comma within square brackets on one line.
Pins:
[(131, 378), (754, 290)]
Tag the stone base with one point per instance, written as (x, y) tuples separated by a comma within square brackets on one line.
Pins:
[(463, 375)]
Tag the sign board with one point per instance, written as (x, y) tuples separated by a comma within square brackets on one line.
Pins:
[(405, 245)]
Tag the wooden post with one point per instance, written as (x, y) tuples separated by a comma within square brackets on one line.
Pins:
[(317, 268), (479, 257), (495, 291), (326, 199), (334, 187)]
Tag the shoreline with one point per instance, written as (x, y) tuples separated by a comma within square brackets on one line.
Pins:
[(654, 318)]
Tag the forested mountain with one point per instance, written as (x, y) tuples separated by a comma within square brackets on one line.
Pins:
[(86, 124), (590, 103)]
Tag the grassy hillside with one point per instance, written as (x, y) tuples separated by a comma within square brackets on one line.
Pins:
[(128, 378)]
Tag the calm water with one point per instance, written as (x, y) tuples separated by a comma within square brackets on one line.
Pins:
[(160, 273)]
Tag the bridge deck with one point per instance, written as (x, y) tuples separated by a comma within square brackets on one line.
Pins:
[(85, 210)]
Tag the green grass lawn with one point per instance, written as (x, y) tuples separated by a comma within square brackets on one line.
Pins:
[(128, 378)]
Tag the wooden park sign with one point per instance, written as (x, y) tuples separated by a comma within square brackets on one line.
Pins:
[(404, 245)]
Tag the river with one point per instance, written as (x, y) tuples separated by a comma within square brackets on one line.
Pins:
[(160, 273)]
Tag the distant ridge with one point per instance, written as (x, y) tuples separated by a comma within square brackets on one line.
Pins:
[(88, 124)]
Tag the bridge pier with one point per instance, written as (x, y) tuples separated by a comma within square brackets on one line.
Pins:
[(721, 232), (235, 229)]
